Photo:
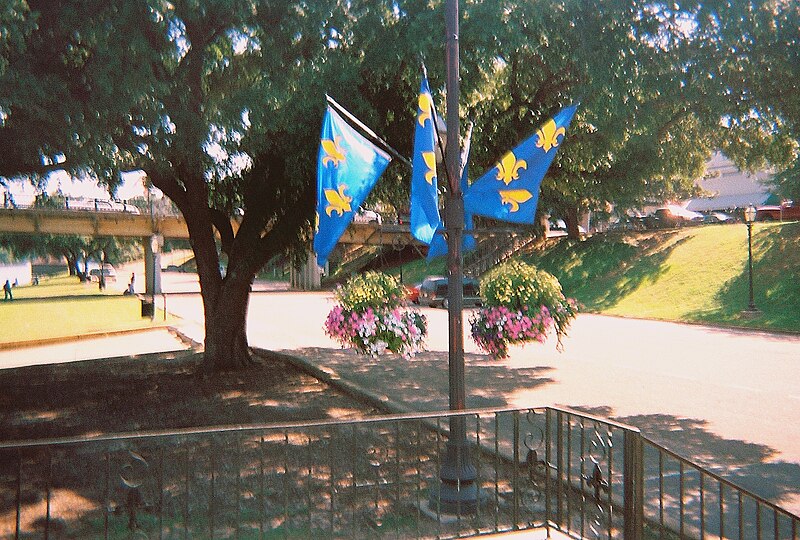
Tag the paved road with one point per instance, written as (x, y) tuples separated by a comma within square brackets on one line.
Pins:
[(729, 398)]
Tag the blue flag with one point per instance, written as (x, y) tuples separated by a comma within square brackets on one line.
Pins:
[(348, 165), (510, 190), (438, 245), (425, 217)]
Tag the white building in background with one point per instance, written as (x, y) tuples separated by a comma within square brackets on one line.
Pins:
[(729, 187)]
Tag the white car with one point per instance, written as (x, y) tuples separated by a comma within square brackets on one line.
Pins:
[(100, 205), (367, 216), (109, 273)]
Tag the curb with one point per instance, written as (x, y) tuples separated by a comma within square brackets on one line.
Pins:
[(327, 375), (716, 326), (94, 335)]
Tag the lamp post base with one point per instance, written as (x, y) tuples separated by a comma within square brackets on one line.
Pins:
[(457, 491), (750, 312)]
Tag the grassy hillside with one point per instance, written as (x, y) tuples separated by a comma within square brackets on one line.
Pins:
[(697, 274)]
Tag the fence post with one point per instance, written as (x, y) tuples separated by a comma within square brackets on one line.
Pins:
[(560, 469), (633, 480)]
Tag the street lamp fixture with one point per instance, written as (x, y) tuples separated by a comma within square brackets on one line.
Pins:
[(749, 218)]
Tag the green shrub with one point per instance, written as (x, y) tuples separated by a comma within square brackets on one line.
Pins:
[(521, 286), (370, 289)]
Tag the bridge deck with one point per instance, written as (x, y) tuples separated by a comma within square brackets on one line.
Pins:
[(123, 224)]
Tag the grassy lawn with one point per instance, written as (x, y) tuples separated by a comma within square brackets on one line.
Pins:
[(61, 306), (695, 275)]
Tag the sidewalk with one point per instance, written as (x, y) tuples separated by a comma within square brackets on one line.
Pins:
[(128, 343)]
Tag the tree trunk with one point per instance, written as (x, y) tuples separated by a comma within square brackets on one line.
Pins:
[(226, 345), (85, 275), (571, 219), (72, 261)]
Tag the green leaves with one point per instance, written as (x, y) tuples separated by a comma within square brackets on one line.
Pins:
[(521, 287), (375, 290)]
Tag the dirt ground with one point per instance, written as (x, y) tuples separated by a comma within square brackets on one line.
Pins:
[(159, 392)]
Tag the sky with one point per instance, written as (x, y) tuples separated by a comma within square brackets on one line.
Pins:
[(132, 186)]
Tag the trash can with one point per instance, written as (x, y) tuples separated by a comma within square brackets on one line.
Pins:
[(148, 308)]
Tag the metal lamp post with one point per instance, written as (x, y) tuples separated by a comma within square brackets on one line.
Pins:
[(749, 218), (458, 490)]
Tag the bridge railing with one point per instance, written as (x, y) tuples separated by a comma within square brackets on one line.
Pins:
[(71, 204), (375, 477)]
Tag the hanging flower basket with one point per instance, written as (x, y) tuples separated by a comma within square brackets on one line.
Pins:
[(372, 316), (521, 304)]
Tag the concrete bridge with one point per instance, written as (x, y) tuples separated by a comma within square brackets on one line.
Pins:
[(152, 229)]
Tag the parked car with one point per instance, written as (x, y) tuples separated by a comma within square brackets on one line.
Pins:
[(367, 216), (783, 212), (558, 227), (718, 217), (412, 293), (673, 215), (109, 273), (403, 215), (433, 292)]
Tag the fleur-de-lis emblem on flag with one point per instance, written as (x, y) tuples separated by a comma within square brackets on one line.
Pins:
[(334, 153), (517, 203), (338, 201), (425, 104), (508, 168), (430, 163), (548, 135), (514, 197)]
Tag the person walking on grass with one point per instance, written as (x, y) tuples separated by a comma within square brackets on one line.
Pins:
[(7, 291)]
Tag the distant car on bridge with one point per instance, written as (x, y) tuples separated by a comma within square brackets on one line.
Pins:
[(100, 205), (367, 216)]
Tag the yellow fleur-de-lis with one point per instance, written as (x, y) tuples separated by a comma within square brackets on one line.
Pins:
[(514, 197), (430, 164), (339, 202), (334, 153), (548, 135), (508, 168), (425, 103)]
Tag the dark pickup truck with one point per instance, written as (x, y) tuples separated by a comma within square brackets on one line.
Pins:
[(784, 212)]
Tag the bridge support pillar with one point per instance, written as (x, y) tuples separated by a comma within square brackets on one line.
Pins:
[(152, 264), (309, 276)]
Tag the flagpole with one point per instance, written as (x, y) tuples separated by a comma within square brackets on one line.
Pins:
[(386, 146), (458, 491)]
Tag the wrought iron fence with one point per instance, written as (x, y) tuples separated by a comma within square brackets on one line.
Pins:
[(376, 477)]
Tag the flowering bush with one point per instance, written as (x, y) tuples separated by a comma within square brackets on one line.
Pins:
[(371, 316), (522, 304)]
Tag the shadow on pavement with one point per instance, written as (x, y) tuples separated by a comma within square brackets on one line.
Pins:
[(422, 383), (744, 463)]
